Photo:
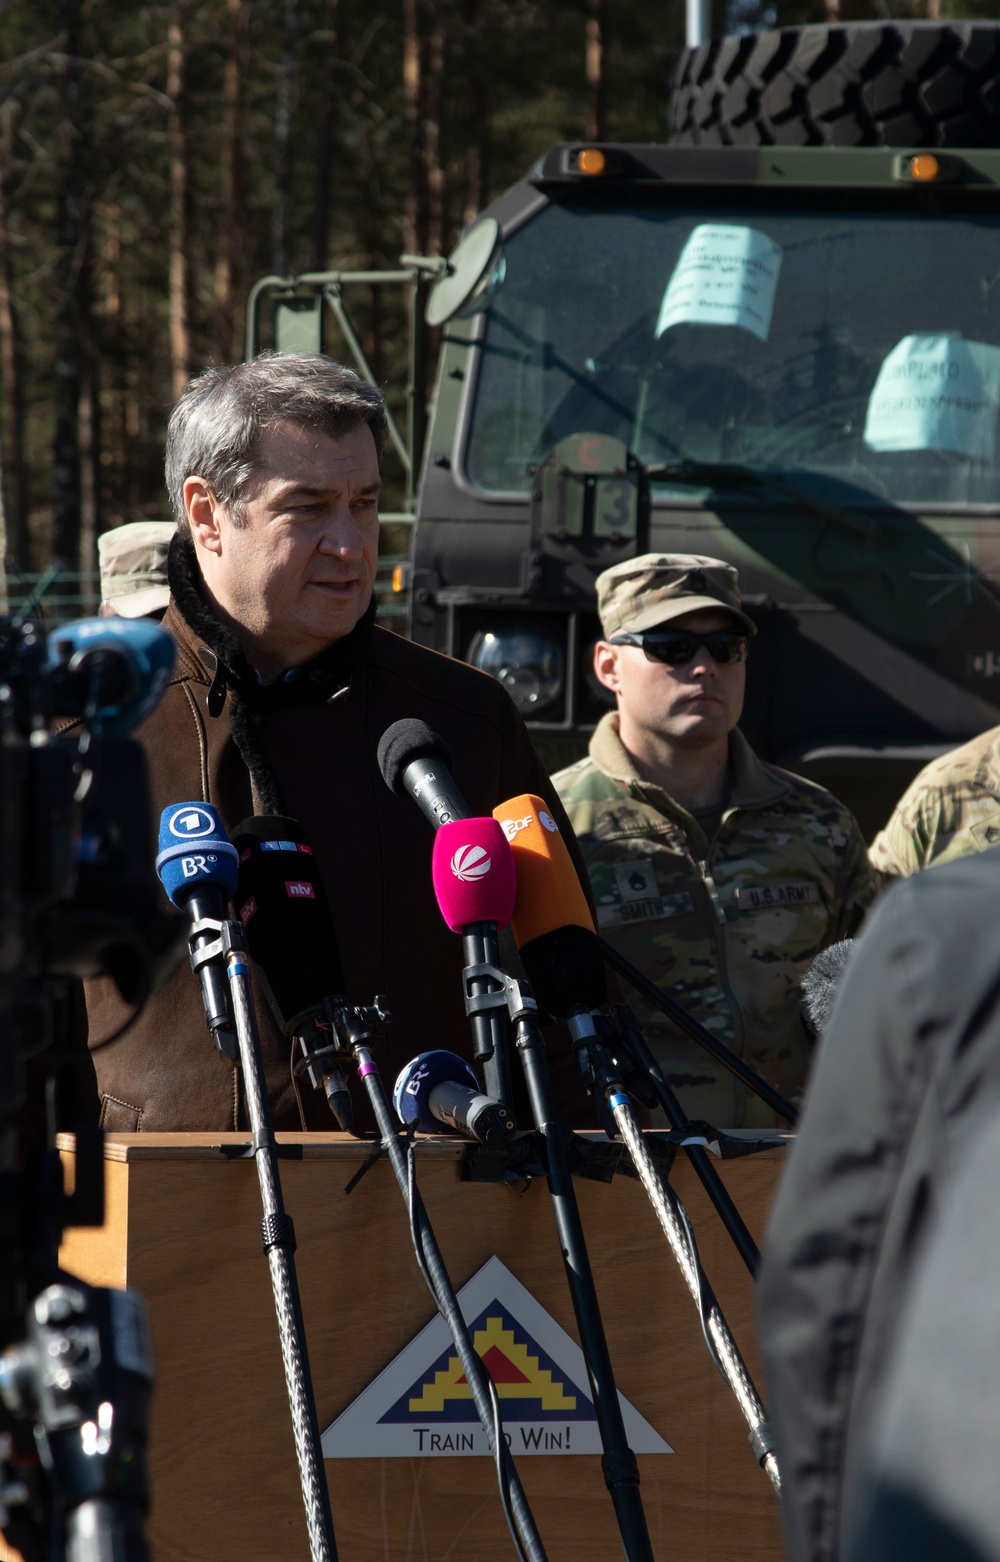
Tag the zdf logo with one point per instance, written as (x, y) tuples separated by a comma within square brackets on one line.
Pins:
[(513, 827), (471, 863)]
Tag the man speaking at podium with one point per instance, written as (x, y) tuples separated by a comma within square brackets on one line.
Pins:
[(283, 686)]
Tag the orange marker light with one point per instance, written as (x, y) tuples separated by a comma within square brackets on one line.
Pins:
[(399, 578), (591, 160), (924, 167)]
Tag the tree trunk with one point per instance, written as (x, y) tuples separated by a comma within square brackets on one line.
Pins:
[(180, 341), (229, 265), (433, 172), (282, 139), (16, 538), (594, 65), (321, 202), (71, 294), (414, 207)]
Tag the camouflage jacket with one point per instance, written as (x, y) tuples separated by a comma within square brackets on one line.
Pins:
[(727, 928), (951, 810)]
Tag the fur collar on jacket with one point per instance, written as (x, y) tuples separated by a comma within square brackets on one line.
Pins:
[(326, 678)]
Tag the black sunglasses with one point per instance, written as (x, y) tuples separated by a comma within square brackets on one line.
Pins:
[(677, 647)]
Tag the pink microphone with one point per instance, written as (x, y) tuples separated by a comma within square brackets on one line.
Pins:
[(474, 875)]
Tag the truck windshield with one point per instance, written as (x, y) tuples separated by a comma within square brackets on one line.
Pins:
[(858, 347)]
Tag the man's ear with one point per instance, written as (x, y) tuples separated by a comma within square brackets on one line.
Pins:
[(204, 514), (606, 665)]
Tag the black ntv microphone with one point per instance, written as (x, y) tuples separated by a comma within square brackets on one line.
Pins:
[(282, 905)]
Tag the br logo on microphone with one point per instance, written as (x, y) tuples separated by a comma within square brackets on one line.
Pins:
[(192, 866), (189, 823), (471, 863)]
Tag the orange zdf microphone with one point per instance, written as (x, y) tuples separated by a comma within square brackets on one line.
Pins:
[(552, 922)]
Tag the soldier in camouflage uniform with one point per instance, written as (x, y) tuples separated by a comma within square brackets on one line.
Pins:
[(951, 810), (721, 877)]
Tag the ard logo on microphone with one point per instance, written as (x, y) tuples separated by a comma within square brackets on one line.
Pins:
[(188, 823), (471, 863)]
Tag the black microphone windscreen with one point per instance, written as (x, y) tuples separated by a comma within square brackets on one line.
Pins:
[(286, 918), (566, 970), (404, 742), (820, 984)]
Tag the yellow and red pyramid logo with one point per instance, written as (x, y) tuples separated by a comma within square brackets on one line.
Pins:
[(420, 1405), (517, 1373)]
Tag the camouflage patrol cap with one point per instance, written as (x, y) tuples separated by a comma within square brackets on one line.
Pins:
[(648, 591), (133, 561)]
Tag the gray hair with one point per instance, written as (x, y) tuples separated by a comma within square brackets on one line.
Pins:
[(215, 427)]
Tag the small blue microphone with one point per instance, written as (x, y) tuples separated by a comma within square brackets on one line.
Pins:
[(195, 852), (439, 1089)]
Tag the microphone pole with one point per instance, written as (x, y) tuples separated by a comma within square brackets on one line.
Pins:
[(197, 862), (618, 1462), (475, 883), (571, 982), (690, 1026), (676, 1227), (554, 931), (416, 762)]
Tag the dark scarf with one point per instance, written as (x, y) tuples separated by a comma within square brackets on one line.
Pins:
[(319, 682)]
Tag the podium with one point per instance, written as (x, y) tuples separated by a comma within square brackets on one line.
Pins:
[(182, 1226)]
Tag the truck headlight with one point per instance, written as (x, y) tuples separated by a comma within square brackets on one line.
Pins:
[(528, 661)]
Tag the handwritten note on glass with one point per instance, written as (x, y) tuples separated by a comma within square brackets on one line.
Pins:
[(726, 275), (936, 393)]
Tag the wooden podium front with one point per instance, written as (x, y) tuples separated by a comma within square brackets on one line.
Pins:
[(183, 1227)]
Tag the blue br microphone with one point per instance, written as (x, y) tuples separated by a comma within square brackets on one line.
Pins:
[(116, 669), (439, 1088), (197, 865)]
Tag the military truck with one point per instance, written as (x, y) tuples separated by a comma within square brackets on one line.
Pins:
[(774, 340)]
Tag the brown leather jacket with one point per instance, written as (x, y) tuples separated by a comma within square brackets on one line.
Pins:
[(374, 851)]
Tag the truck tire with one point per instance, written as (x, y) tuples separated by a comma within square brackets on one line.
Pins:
[(867, 84)]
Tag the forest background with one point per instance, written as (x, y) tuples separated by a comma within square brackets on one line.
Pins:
[(156, 158)]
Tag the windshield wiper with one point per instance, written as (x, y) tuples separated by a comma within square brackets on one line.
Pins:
[(725, 474)]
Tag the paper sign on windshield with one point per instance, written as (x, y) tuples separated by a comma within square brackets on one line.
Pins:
[(936, 393), (726, 275)]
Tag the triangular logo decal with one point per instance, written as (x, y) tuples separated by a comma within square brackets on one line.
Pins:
[(421, 1404)]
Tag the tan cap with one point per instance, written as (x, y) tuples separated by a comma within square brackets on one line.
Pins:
[(648, 591), (133, 561)]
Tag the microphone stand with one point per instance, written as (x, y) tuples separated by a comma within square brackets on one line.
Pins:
[(618, 1462), (628, 1035), (603, 1075), (278, 1236), (481, 955), (686, 1022), (352, 1029)]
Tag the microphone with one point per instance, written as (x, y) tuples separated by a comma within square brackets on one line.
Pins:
[(112, 671), (282, 904), (552, 922), (821, 983), (439, 1088), (472, 868), (197, 868), (475, 883), (416, 762)]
